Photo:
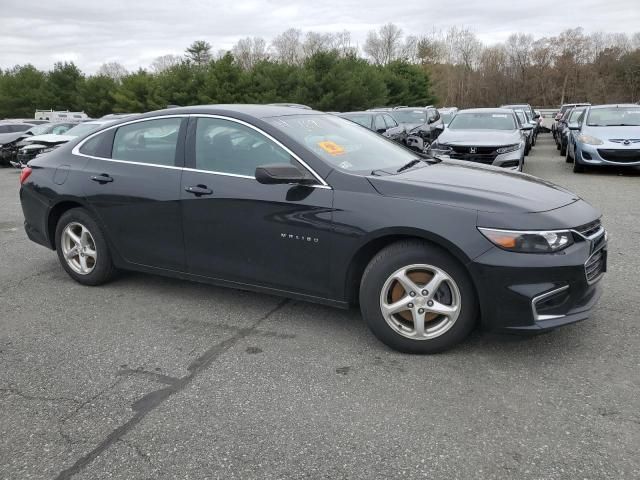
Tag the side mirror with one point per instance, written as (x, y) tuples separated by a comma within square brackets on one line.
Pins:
[(381, 130), (574, 126), (527, 126), (536, 116), (278, 173)]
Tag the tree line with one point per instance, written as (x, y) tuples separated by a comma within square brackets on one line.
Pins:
[(328, 72)]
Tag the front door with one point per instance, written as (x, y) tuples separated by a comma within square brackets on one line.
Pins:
[(240, 230)]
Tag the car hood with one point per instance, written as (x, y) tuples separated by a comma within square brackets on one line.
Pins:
[(612, 133), (50, 138), (479, 138), (478, 187), (10, 137)]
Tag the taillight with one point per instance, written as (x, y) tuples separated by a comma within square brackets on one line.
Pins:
[(24, 174)]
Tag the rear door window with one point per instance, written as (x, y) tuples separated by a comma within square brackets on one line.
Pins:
[(379, 123), (149, 141)]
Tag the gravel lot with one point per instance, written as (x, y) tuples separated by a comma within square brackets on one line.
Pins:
[(151, 378)]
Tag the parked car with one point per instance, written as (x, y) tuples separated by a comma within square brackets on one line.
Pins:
[(38, 144), (607, 135), (446, 114), (491, 136), (558, 118), (380, 122), (573, 117), (8, 126), (313, 207), (522, 106), (528, 132), (423, 125), (10, 143)]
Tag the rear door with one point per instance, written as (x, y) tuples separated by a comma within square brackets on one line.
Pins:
[(240, 230), (133, 184)]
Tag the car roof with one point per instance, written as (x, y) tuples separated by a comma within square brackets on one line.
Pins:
[(486, 110), (614, 105), (252, 110), (375, 112), (512, 105)]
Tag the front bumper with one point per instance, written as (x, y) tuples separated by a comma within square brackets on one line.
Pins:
[(608, 154), (531, 293)]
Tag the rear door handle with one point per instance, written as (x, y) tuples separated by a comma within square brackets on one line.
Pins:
[(102, 178), (199, 190)]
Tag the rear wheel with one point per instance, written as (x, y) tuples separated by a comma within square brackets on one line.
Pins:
[(82, 248), (417, 299)]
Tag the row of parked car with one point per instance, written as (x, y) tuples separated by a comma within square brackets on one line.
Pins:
[(594, 135), (501, 137), (23, 139)]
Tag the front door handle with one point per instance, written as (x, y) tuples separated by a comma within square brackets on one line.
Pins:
[(199, 190), (102, 178)]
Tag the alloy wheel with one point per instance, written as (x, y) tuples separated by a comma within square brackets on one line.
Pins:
[(420, 301), (79, 248)]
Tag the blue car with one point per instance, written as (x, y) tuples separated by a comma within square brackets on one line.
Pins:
[(606, 135)]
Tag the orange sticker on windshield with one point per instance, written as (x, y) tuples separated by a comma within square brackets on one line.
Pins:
[(331, 148)]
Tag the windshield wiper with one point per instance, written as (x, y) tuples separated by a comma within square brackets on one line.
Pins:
[(412, 163)]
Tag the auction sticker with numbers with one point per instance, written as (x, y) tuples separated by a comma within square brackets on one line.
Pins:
[(331, 148)]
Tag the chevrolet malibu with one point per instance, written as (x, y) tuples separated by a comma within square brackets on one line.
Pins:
[(311, 206)]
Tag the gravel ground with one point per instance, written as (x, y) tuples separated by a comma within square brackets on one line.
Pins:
[(153, 378)]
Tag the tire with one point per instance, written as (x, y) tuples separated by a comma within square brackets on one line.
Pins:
[(455, 292), (563, 148), (568, 158), (98, 268)]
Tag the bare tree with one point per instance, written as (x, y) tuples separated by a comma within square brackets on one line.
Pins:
[(249, 51), (287, 47), (385, 45), (164, 62), (113, 70)]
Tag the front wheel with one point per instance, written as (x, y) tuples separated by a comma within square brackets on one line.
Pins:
[(82, 248), (416, 298)]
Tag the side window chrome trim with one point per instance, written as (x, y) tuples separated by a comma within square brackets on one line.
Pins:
[(280, 144)]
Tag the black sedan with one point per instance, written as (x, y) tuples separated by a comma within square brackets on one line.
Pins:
[(310, 206), (380, 122)]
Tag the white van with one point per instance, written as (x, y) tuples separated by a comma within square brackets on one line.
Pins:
[(61, 116)]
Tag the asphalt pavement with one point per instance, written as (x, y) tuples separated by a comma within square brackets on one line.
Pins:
[(154, 378)]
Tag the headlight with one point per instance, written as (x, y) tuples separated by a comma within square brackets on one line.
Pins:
[(529, 241), (589, 140), (509, 148)]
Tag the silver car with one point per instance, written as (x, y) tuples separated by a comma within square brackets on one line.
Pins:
[(492, 136), (607, 135)]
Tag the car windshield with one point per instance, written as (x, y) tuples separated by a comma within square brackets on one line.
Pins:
[(40, 129), (409, 116), (364, 120), (521, 116), (614, 116), (82, 129), (482, 121), (446, 117), (343, 144), (575, 114)]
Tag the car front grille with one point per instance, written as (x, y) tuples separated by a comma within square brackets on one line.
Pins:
[(484, 155), (622, 156), (596, 265), (589, 229)]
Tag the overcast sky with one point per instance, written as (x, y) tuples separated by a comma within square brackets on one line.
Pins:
[(134, 32)]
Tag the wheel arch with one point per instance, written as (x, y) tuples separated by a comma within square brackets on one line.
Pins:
[(62, 206), (374, 244)]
